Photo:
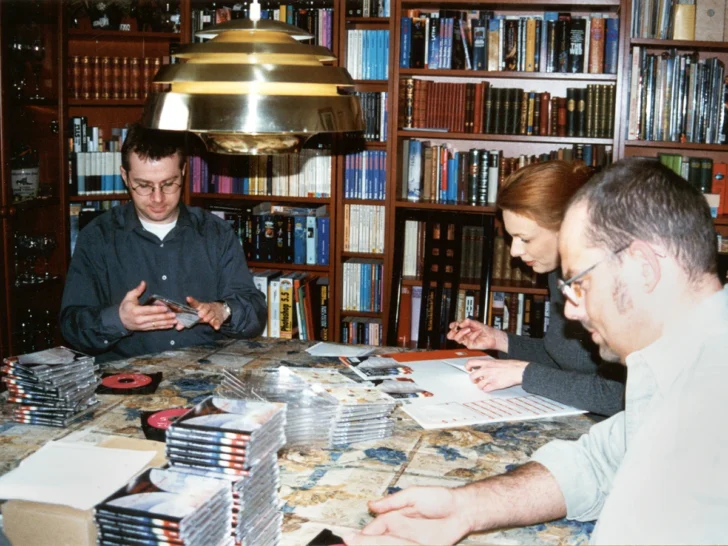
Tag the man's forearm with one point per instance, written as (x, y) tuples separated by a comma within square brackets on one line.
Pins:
[(91, 330), (525, 496)]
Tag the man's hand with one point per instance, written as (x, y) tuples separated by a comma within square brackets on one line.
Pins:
[(143, 318), (416, 515), (476, 335), (212, 313), (491, 374)]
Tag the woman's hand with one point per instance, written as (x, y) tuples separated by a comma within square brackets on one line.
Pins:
[(476, 335), (491, 374)]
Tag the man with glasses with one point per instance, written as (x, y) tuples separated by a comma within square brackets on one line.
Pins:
[(156, 245), (638, 248)]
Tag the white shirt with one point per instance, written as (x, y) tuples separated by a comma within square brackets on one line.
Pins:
[(657, 473), (160, 230)]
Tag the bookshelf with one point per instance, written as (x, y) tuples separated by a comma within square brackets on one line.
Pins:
[(478, 213), (649, 46), (32, 199), (363, 179)]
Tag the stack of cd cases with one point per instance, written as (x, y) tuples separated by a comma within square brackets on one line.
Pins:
[(52, 387), (325, 407), (236, 441), (256, 516), (164, 507)]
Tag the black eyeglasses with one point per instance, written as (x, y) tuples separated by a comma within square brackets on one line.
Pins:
[(148, 189), (571, 288)]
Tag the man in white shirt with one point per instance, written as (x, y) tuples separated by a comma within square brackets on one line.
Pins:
[(638, 246)]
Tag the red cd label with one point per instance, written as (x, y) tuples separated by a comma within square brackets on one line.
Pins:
[(162, 419), (126, 381)]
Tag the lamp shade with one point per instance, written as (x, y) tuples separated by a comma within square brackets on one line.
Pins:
[(253, 89)]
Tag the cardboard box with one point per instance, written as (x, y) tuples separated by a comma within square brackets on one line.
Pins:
[(40, 524)]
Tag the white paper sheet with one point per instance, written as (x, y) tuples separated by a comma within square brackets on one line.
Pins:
[(72, 474), (338, 349), (455, 401)]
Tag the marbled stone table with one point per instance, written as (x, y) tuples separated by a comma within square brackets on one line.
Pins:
[(323, 488)]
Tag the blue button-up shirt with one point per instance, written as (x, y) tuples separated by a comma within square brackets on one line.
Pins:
[(201, 257)]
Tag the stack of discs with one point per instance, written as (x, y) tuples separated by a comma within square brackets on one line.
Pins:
[(309, 415), (325, 407), (256, 518), (237, 440), (363, 413), (164, 507), (53, 387)]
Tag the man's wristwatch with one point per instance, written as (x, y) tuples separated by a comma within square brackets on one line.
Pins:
[(226, 309)]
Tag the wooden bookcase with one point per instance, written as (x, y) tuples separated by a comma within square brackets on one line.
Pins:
[(650, 148), (512, 145), (346, 23)]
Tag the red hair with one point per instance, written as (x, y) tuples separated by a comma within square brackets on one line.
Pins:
[(542, 191)]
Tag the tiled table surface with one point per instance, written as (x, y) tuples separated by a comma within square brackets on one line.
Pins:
[(324, 488)]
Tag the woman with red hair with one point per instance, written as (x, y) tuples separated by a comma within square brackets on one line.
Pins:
[(565, 365)]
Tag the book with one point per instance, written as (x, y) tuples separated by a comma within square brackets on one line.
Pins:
[(322, 287), (683, 22), (404, 323), (262, 281), (611, 45), (577, 36), (311, 240), (596, 45), (720, 185)]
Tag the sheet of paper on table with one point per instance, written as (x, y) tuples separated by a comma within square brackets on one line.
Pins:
[(338, 349), (72, 474), (445, 397)]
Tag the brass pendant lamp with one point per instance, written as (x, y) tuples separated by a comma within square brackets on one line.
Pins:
[(254, 89)]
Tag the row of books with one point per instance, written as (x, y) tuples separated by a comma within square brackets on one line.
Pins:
[(436, 173), (94, 162), (521, 314), (679, 20), (467, 304), (307, 174), (297, 304), (376, 115), (367, 54), (552, 42), (362, 331), (85, 138), (703, 173), (317, 20), (281, 234), (362, 286), (471, 251), (368, 8), (94, 77), (696, 170), (482, 108), (365, 175), (95, 173), (364, 228), (677, 98)]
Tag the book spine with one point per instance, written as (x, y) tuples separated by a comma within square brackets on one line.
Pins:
[(596, 46), (611, 45)]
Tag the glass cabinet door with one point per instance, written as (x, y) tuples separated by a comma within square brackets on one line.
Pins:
[(34, 171)]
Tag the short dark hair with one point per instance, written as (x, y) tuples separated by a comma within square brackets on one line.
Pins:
[(644, 200), (153, 144)]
